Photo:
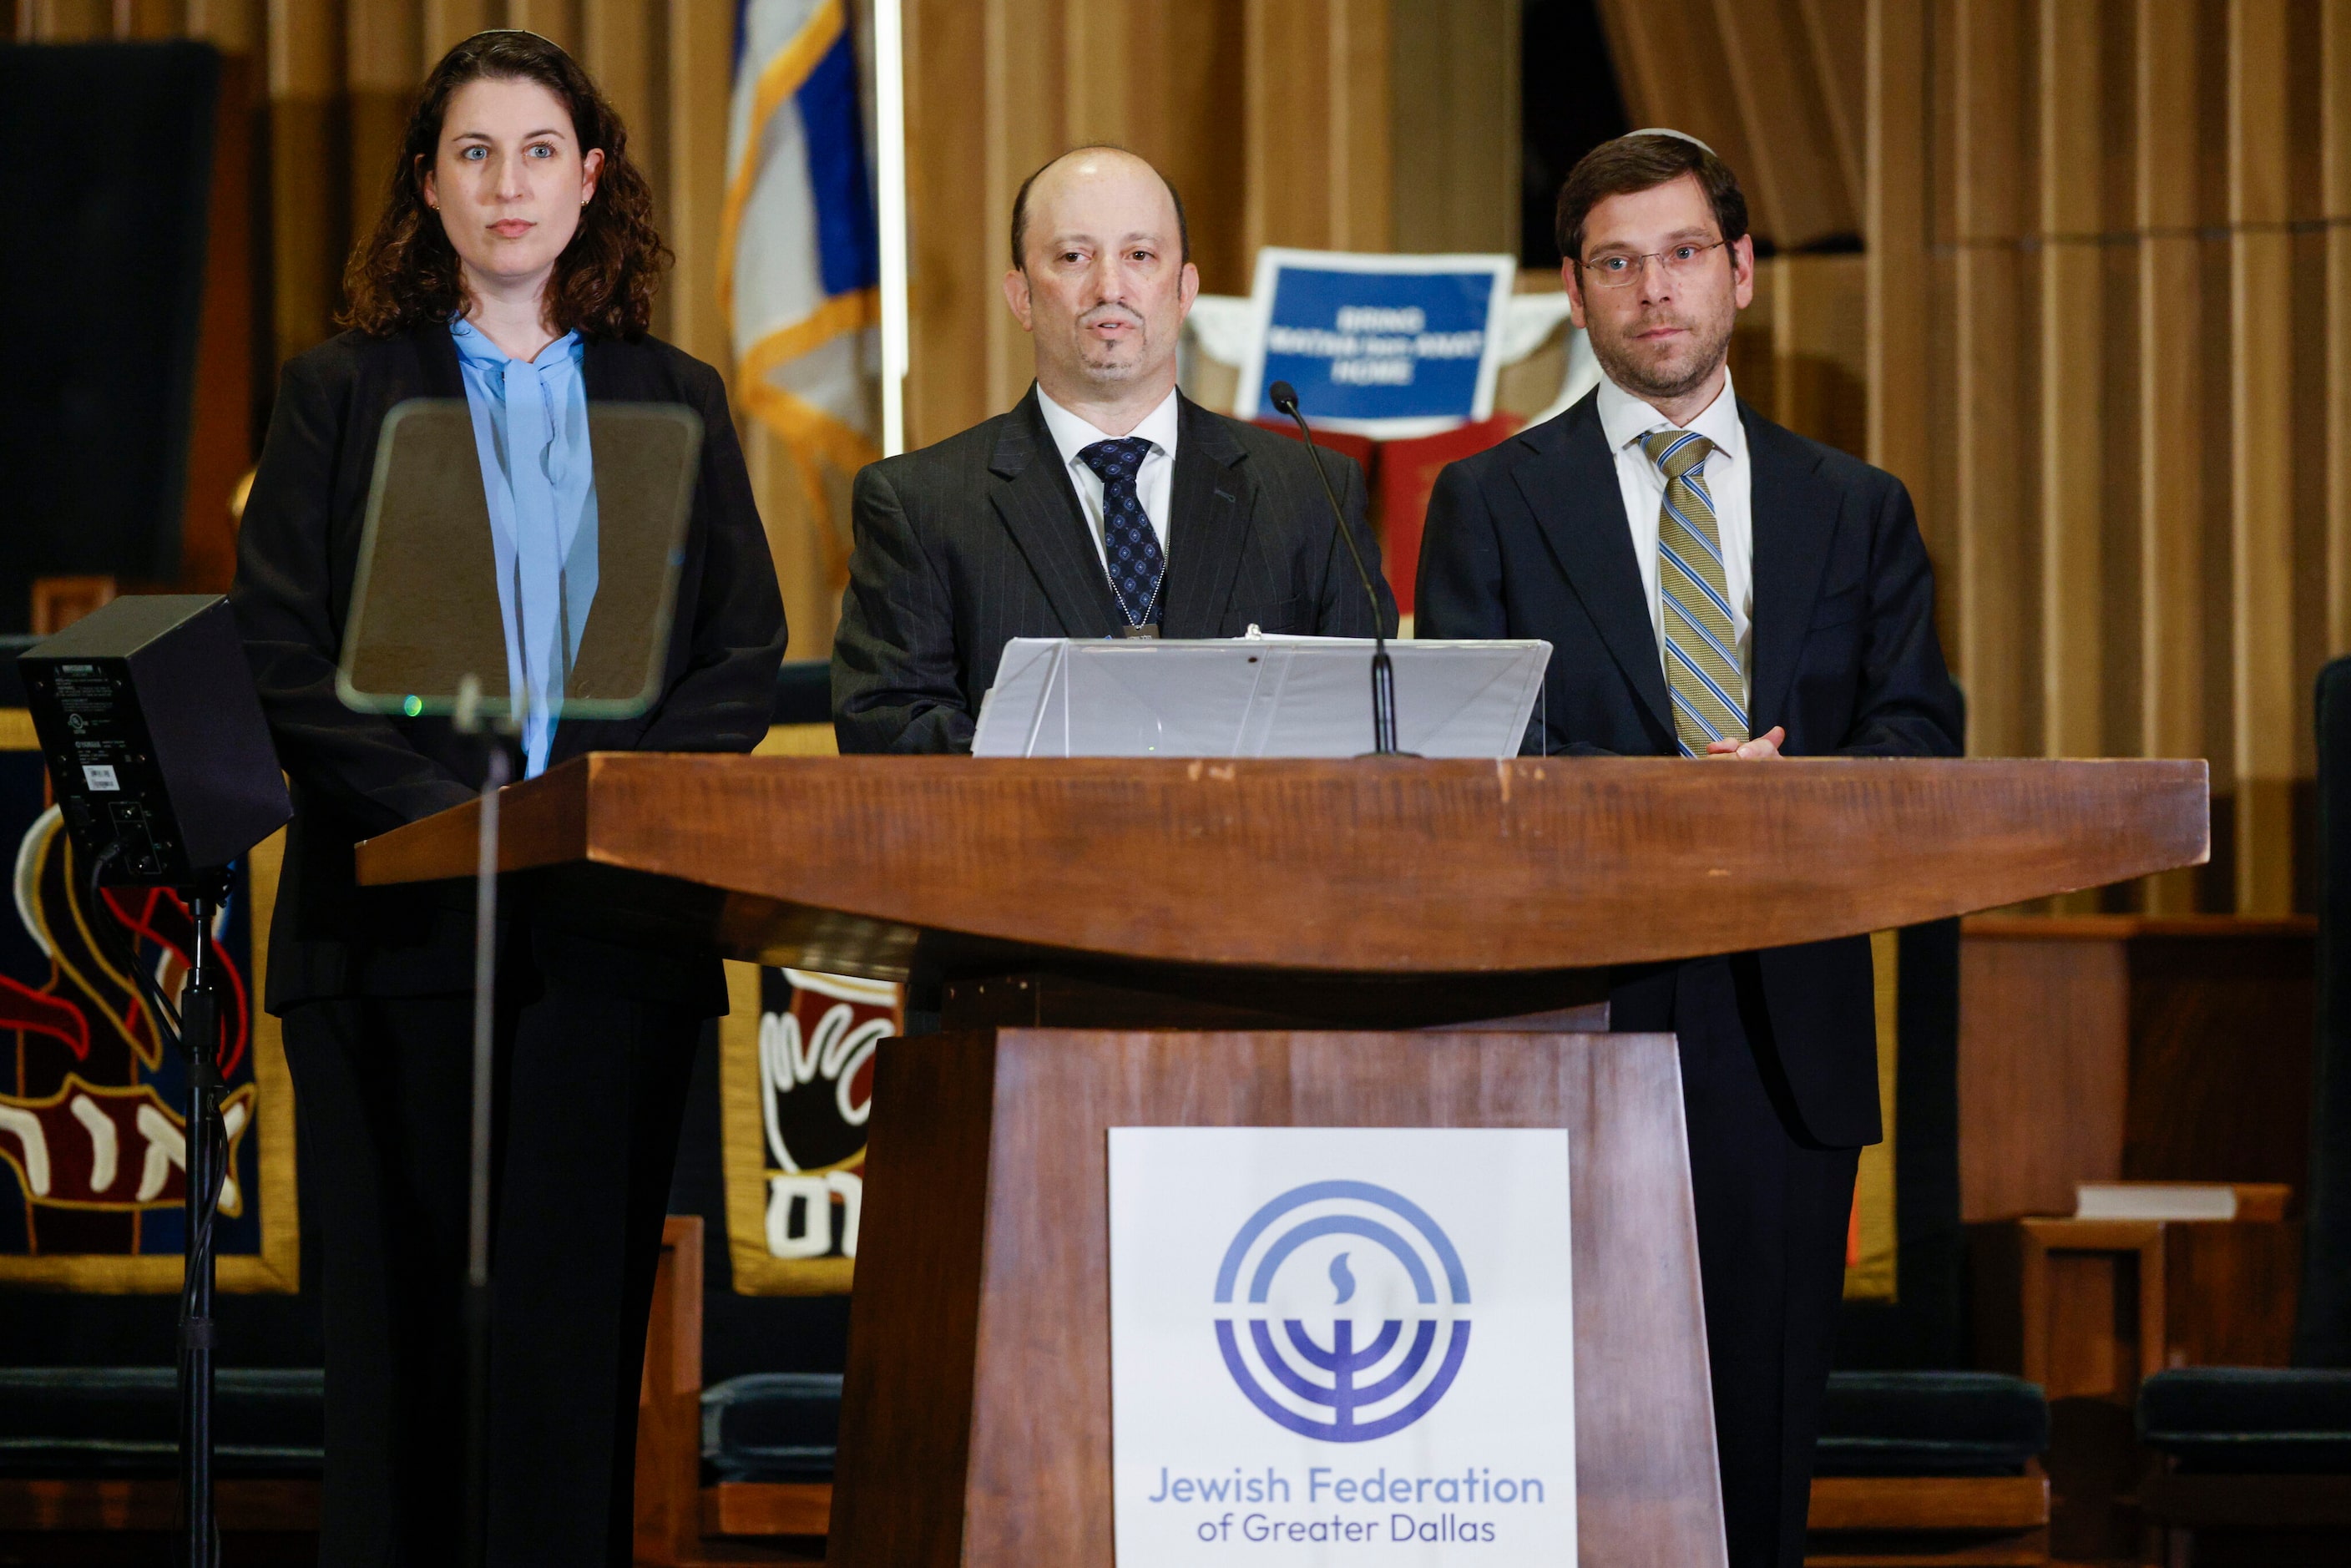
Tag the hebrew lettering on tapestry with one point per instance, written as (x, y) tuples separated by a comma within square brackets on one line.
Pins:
[(796, 1081), (93, 1143)]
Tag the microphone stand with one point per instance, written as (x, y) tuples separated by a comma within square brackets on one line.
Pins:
[(470, 718), (195, 1030), (199, 1027), (1384, 719)]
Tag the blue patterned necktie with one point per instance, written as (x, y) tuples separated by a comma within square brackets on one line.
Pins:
[(1130, 549)]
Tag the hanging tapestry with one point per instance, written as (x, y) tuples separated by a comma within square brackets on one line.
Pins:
[(93, 1145), (795, 1084)]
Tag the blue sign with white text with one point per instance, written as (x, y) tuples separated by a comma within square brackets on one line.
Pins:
[(1366, 342)]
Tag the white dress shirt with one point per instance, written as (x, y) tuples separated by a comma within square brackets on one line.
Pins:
[(1625, 418), (1154, 482)]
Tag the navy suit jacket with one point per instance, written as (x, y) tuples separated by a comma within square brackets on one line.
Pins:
[(1529, 540)]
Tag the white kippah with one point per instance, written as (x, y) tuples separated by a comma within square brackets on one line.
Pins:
[(1668, 131)]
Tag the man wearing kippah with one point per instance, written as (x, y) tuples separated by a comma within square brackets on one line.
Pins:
[(1716, 588)]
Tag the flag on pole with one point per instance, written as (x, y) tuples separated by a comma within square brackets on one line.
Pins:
[(798, 252)]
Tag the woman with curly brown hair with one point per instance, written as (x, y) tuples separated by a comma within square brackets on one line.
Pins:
[(514, 266)]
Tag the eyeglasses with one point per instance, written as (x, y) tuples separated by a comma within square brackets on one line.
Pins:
[(1617, 270)]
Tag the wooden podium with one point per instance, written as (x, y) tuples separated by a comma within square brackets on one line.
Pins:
[(1376, 942)]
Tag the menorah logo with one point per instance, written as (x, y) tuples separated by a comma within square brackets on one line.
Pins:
[(1367, 1379)]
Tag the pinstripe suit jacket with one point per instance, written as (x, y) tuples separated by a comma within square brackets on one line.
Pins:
[(965, 545)]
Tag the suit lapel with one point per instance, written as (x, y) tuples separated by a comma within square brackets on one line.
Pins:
[(1039, 507), (1572, 491), (604, 376), (1794, 512), (436, 353), (1207, 525)]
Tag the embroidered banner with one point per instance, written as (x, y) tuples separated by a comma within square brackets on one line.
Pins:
[(93, 1147), (796, 1081)]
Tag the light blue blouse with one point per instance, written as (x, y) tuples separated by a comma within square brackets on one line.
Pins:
[(530, 428)]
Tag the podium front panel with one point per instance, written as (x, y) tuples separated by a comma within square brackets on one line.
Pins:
[(975, 1423)]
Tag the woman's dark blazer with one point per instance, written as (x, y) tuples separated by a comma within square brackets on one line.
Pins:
[(357, 775)]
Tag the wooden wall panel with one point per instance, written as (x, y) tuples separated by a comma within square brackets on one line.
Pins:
[(1776, 86), (620, 45), (1273, 117), (1835, 34), (556, 19), (2334, 179), (1454, 72), (447, 23), (236, 25), (2267, 705), (701, 57), (954, 232), (1185, 123), (1990, 646), (309, 171), (220, 439), (1027, 104), (384, 43), (2120, 1047), (1797, 177), (2170, 392), (2043, 1065), (2142, 425), (1672, 65), (1894, 228), (1316, 124), (2069, 102), (65, 21), (1820, 354)]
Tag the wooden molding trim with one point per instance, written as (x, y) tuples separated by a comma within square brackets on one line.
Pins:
[(1929, 1502)]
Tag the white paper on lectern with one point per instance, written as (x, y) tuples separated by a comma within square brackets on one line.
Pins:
[(1254, 696)]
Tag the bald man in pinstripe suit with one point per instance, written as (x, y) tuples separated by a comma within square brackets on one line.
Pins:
[(1105, 503)]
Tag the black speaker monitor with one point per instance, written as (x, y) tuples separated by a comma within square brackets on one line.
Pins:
[(154, 739)]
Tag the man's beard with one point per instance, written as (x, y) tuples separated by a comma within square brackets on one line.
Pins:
[(1111, 370), (1625, 372), (1111, 364)]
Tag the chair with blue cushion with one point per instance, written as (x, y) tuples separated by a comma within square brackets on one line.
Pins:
[(97, 1448), (2256, 1461), (1917, 1463)]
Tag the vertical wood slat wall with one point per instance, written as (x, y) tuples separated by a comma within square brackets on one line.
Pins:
[(2109, 245), (1274, 117), (336, 78), (2105, 296)]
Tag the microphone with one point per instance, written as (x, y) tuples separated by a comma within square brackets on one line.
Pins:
[(1384, 721)]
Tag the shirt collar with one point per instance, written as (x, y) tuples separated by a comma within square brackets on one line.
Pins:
[(1072, 434), (1626, 418), (475, 347)]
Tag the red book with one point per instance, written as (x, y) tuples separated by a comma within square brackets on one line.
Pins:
[(1408, 470)]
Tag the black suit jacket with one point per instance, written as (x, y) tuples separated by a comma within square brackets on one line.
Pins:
[(962, 545), (1529, 540), (356, 775)]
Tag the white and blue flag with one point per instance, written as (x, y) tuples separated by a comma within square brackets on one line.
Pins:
[(797, 259)]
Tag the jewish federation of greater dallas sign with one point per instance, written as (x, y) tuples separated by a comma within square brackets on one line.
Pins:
[(1341, 1345), (1384, 346)]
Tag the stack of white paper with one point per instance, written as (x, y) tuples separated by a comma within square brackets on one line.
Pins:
[(2154, 1200)]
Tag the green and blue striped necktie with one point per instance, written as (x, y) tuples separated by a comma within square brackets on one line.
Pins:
[(1709, 696)]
